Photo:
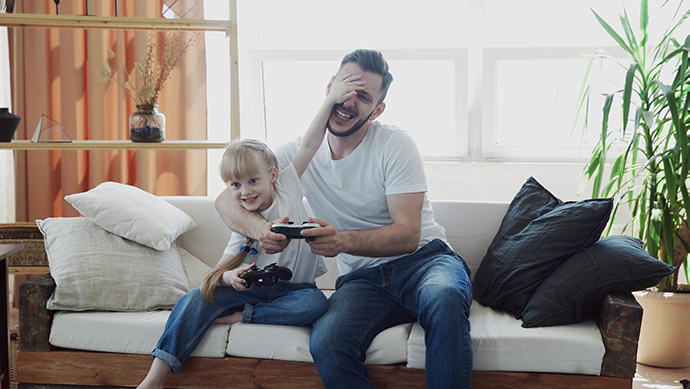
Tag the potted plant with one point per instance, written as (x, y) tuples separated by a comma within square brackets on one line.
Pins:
[(650, 170), (147, 124)]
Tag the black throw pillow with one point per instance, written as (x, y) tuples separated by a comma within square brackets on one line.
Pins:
[(537, 234), (615, 264)]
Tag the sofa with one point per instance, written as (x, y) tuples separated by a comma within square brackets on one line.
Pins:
[(89, 348)]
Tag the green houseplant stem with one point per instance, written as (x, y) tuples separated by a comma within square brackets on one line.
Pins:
[(650, 172)]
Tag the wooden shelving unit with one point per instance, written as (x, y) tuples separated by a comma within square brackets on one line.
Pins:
[(113, 23), (20, 20), (113, 145)]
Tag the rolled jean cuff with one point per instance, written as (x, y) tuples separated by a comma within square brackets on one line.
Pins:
[(168, 358), (247, 313)]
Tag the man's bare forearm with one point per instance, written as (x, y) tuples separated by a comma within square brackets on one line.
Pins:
[(382, 242), (237, 218), (394, 239), (399, 238)]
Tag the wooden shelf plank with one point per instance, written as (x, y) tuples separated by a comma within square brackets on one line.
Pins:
[(112, 145), (112, 23)]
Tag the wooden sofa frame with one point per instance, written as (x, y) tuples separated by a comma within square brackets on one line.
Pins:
[(41, 365)]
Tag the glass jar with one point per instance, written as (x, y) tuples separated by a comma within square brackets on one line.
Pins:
[(147, 124)]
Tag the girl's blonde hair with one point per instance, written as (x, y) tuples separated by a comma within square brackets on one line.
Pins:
[(211, 279), (242, 158)]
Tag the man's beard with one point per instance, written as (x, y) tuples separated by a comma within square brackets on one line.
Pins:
[(352, 130)]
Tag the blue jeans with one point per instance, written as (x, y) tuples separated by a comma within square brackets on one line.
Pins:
[(282, 303), (431, 286)]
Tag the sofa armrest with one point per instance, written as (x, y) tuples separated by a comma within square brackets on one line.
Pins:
[(619, 319), (34, 318)]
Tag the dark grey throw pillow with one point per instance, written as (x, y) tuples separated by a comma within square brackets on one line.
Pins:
[(536, 235), (615, 264)]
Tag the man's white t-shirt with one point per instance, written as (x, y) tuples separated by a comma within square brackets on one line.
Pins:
[(297, 256), (350, 193)]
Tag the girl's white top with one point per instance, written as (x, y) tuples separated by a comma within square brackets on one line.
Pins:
[(289, 201)]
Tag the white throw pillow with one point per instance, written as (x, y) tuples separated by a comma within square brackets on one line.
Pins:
[(132, 213), (96, 270)]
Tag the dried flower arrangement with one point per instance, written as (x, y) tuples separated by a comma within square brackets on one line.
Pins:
[(152, 73)]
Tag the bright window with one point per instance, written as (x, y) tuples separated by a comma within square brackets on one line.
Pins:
[(530, 100), (293, 87), (475, 80)]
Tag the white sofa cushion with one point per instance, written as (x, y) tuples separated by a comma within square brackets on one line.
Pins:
[(206, 242), (470, 227), (132, 213), (138, 333), (500, 343), (194, 268), (291, 343), (125, 332), (94, 269)]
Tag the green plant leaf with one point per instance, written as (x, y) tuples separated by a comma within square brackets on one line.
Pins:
[(678, 124), (613, 34), (612, 218), (686, 198), (670, 178), (615, 176), (593, 162), (643, 219), (652, 240), (644, 22), (583, 96), (629, 34), (627, 93), (684, 81), (663, 43), (667, 233), (648, 118), (599, 173), (635, 138)]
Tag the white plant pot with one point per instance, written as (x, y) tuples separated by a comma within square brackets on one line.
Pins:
[(665, 333)]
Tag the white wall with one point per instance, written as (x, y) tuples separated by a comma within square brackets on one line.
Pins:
[(500, 181), (7, 213)]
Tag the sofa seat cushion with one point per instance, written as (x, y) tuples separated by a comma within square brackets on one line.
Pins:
[(500, 343), (125, 332), (138, 333), (292, 343)]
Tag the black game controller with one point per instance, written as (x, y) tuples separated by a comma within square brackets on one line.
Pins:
[(292, 230), (266, 276)]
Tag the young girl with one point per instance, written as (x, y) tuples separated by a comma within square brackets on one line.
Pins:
[(250, 170)]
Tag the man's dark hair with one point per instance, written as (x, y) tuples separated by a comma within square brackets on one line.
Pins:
[(371, 61)]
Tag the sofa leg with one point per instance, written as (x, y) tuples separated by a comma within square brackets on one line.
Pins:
[(34, 318)]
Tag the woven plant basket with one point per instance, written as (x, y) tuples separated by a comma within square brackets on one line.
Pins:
[(14, 347)]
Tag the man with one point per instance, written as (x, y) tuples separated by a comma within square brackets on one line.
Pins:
[(367, 188)]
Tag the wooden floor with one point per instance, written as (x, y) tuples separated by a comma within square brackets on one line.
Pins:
[(646, 377)]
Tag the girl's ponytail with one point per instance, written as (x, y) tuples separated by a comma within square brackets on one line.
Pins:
[(208, 285)]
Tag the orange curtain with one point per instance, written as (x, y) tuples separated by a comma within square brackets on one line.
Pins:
[(56, 72)]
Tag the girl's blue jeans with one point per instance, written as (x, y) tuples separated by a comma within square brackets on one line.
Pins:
[(282, 303), (431, 286)]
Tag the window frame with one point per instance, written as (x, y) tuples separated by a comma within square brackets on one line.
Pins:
[(253, 89), (556, 152)]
